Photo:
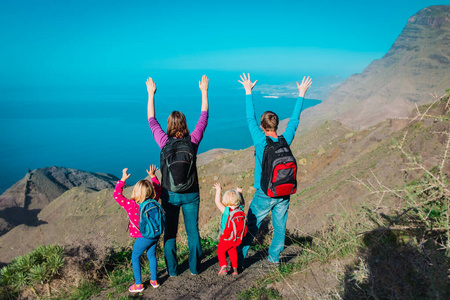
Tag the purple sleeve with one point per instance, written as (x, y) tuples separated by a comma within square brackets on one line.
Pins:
[(158, 134), (197, 134)]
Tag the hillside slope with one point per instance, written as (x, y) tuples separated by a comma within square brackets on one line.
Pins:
[(417, 64), (21, 203)]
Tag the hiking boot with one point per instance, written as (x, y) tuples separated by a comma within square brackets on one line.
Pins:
[(235, 271), (136, 288), (154, 283)]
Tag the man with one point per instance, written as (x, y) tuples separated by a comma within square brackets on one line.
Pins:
[(262, 204)]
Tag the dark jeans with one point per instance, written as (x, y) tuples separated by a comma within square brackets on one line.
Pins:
[(189, 203)]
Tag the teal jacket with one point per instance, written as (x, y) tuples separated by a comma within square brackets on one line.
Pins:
[(259, 138)]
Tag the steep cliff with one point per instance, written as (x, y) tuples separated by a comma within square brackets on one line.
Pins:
[(417, 64)]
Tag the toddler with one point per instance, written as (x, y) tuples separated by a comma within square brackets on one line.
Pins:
[(233, 226)]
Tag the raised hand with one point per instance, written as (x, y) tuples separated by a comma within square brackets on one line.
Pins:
[(246, 82), (302, 88), (217, 187), (151, 86), (125, 176), (152, 171), (239, 190), (219, 204), (203, 85)]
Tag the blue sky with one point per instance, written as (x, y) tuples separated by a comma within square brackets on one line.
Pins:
[(120, 43)]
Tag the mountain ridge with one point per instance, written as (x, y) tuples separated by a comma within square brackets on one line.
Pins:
[(416, 65), (22, 202)]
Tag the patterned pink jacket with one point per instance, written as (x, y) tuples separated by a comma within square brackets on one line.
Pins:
[(131, 207)]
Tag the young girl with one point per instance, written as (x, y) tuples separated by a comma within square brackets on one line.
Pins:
[(232, 199), (143, 190)]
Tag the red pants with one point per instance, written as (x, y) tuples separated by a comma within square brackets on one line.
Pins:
[(231, 248)]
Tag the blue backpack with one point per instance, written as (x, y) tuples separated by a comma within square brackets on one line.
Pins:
[(151, 219)]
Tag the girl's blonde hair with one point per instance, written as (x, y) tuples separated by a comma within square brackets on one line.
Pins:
[(142, 191), (176, 125), (231, 198)]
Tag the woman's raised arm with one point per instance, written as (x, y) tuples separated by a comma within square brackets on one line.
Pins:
[(151, 89), (203, 85)]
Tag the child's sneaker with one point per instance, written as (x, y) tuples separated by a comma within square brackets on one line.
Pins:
[(223, 270), (235, 272), (136, 288), (154, 283)]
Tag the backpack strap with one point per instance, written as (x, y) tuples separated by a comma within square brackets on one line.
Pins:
[(281, 140), (269, 141), (171, 138), (243, 229), (134, 225), (230, 219)]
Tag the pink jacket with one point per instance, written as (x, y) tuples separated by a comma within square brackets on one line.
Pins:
[(131, 207)]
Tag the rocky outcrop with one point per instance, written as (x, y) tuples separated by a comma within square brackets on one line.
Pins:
[(21, 203), (417, 65)]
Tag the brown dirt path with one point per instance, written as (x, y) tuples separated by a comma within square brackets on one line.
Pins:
[(207, 284)]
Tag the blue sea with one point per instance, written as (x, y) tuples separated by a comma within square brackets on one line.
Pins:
[(106, 130)]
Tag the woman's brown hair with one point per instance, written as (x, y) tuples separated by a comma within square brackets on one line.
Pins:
[(176, 125)]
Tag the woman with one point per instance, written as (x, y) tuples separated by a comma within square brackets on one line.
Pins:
[(188, 199)]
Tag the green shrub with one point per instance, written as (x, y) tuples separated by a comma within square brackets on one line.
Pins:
[(37, 267)]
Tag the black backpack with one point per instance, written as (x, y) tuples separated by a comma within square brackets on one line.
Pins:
[(178, 165), (279, 169)]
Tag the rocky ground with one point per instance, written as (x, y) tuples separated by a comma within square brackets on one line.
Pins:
[(207, 284)]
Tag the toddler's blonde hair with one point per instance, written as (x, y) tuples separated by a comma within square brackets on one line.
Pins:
[(231, 198), (142, 191)]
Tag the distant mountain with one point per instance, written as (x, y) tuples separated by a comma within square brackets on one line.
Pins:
[(21, 203), (319, 90), (417, 65)]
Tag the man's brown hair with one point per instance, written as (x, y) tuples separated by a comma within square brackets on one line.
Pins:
[(269, 121), (176, 125)]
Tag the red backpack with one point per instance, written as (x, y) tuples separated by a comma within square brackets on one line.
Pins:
[(279, 169), (236, 225)]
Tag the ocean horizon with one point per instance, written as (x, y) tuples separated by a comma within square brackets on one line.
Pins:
[(105, 131)]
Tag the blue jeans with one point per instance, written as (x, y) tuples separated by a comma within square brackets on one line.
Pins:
[(139, 247), (189, 203), (259, 208)]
